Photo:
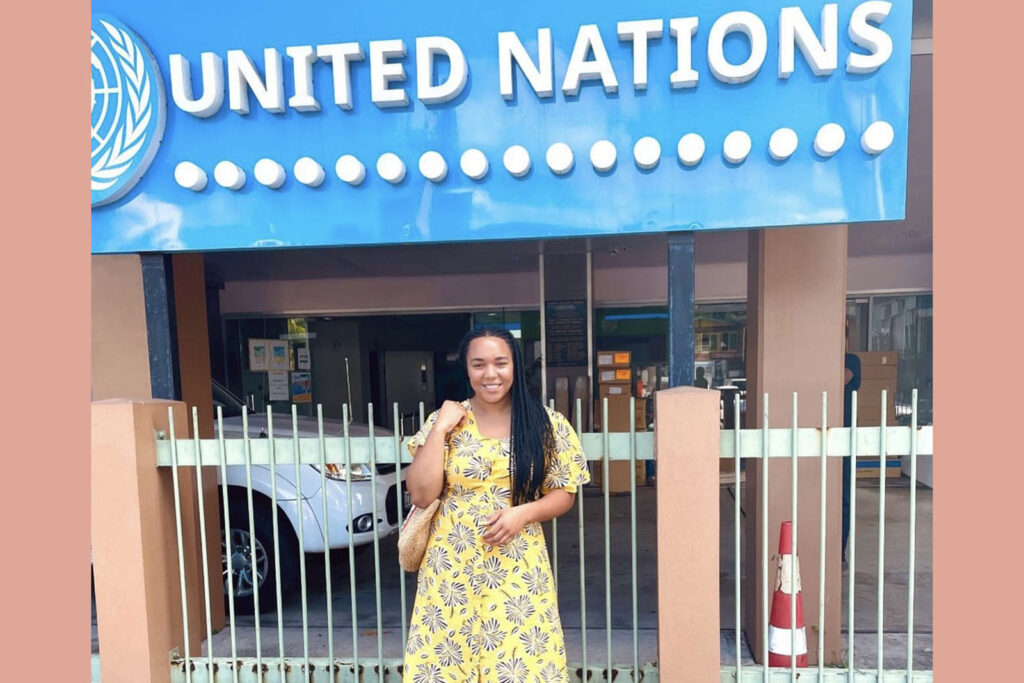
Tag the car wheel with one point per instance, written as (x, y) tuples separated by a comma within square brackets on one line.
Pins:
[(238, 547)]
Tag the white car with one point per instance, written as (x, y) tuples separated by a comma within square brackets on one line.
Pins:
[(237, 551)]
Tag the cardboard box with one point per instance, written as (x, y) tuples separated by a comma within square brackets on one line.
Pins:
[(877, 357), (614, 375), (619, 480), (877, 372), (613, 359), (613, 389), (868, 468)]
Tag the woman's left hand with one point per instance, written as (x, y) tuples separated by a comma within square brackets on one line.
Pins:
[(504, 525)]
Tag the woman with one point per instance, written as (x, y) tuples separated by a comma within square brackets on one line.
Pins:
[(486, 608)]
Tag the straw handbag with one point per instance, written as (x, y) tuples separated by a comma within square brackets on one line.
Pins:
[(414, 536)]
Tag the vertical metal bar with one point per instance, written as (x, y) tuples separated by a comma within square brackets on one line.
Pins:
[(851, 540), (632, 532), (590, 328), (351, 541), (764, 539), (913, 535), (181, 545), (554, 535), (821, 539), (881, 527), (299, 502), (794, 443), (376, 544), (272, 446), (681, 279), (583, 584), (229, 583), (327, 537), (605, 479), (543, 331), (736, 530), (202, 536), (252, 536), (399, 504)]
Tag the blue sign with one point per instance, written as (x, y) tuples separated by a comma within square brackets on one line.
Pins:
[(327, 123), (127, 109)]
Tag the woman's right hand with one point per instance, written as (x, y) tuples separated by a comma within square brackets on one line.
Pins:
[(451, 414)]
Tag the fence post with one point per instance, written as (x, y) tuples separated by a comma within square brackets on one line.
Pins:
[(686, 445), (135, 561)]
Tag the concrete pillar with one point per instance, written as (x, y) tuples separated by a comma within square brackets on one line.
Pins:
[(120, 350), (193, 342), (122, 367), (135, 556), (795, 317), (686, 443)]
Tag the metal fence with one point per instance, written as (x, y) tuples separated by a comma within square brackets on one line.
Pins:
[(345, 661), (767, 445)]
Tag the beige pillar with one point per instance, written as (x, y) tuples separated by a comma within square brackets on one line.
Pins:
[(686, 442), (795, 315), (193, 340), (134, 540), (120, 347)]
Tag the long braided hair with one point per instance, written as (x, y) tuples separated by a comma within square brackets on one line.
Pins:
[(532, 436)]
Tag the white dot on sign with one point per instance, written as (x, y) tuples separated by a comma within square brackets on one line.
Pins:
[(516, 160), (433, 166), (391, 168), (270, 173), (190, 176), (229, 175), (603, 155), (829, 139), (647, 152), (736, 147), (559, 158), (350, 170), (877, 138), (309, 172), (474, 164), (690, 149), (783, 143)]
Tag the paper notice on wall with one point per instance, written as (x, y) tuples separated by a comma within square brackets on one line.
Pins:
[(302, 357), (258, 355), (278, 356), (302, 387), (278, 380)]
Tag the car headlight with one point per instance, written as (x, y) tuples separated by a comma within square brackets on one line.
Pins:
[(360, 472)]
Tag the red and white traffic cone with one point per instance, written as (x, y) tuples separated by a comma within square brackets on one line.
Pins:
[(787, 588)]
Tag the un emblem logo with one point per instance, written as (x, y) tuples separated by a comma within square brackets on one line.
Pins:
[(127, 109)]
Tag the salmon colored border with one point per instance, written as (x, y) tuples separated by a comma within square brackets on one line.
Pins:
[(979, 559), (978, 248), (45, 342)]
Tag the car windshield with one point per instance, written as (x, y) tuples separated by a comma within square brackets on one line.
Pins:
[(230, 404)]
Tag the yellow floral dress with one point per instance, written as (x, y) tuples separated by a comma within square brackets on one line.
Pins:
[(488, 614)]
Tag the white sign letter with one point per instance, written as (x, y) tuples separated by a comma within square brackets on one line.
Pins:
[(750, 25), (638, 32), (426, 50), (302, 64), (588, 39), (339, 55), (242, 77), (213, 85), (683, 30), (794, 29), (872, 38), (383, 72), (538, 75)]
